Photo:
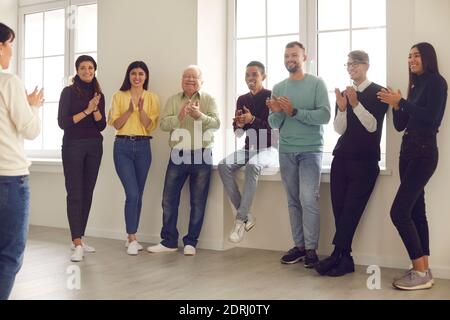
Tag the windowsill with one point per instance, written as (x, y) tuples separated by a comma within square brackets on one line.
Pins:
[(54, 165), (48, 165), (273, 174)]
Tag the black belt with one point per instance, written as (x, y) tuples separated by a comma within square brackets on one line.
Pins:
[(134, 137), (422, 131)]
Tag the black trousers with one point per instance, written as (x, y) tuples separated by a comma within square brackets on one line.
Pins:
[(81, 162), (418, 161), (351, 183)]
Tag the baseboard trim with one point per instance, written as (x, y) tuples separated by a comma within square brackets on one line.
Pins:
[(210, 244)]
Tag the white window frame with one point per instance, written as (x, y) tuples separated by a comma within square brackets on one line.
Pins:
[(36, 6), (308, 33)]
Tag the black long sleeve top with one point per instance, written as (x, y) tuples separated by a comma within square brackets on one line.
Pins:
[(424, 109), (257, 106), (71, 103)]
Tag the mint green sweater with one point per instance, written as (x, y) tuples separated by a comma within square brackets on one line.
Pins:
[(304, 132)]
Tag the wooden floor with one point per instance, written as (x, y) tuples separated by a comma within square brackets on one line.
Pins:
[(234, 274)]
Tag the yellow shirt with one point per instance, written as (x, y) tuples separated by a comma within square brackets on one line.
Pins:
[(133, 126)]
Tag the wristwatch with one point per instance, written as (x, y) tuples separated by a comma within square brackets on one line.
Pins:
[(294, 112)]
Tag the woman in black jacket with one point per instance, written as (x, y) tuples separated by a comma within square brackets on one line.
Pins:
[(81, 115), (420, 116)]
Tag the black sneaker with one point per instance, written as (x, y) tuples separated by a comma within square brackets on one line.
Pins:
[(311, 259), (325, 265), (294, 255), (345, 265)]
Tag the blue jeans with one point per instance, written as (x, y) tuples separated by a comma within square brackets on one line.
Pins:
[(199, 178), (132, 159), (14, 204), (254, 162), (300, 173)]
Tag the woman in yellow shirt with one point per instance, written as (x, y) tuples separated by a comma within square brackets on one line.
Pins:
[(134, 113)]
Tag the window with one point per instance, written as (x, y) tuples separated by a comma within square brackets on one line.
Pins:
[(53, 36), (342, 26), (328, 28)]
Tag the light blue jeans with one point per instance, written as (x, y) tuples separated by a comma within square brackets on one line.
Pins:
[(254, 162), (300, 173)]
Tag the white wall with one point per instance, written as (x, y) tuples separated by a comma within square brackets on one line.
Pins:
[(8, 16), (8, 13), (164, 35), (169, 35), (432, 25)]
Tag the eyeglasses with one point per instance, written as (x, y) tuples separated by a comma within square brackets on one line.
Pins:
[(353, 64)]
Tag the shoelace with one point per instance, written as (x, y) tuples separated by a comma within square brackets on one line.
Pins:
[(409, 272)]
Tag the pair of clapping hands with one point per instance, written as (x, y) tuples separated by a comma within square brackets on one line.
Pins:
[(242, 117), (280, 104), (388, 96), (36, 98), (192, 109), (140, 105), (348, 95)]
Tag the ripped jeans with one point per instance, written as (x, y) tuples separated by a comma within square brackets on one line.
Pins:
[(300, 173)]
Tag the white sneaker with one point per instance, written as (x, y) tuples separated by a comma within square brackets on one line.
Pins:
[(160, 248), (251, 220), (78, 254), (140, 247), (189, 250), (133, 248), (237, 234), (86, 248)]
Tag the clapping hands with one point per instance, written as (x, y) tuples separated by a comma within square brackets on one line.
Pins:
[(243, 116), (93, 103), (390, 97), (36, 98), (192, 109), (280, 104)]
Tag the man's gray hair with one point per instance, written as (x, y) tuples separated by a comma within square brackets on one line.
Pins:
[(194, 67)]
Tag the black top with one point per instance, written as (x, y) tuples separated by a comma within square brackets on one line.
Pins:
[(72, 103), (424, 109), (257, 106), (357, 143)]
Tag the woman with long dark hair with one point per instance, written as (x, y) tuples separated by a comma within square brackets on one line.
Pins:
[(419, 116), (19, 120), (81, 115), (134, 114)]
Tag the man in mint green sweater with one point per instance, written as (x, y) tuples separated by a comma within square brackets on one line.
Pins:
[(299, 108)]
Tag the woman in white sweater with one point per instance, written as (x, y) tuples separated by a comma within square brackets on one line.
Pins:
[(19, 120)]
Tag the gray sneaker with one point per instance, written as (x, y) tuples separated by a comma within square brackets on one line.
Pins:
[(402, 275), (413, 281), (429, 275)]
